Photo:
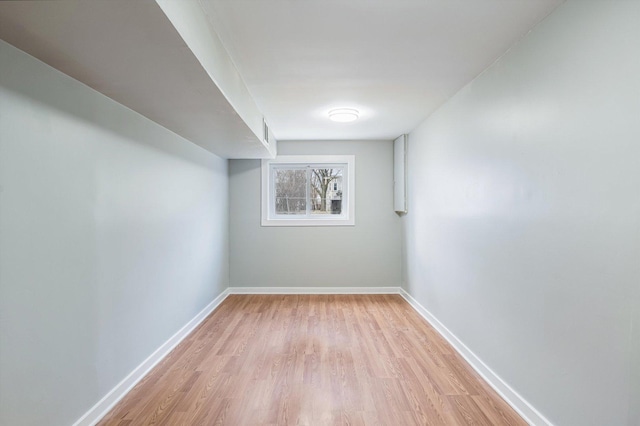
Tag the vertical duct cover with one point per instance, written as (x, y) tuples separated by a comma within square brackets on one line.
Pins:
[(400, 174)]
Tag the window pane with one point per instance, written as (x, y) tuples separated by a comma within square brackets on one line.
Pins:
[(326, 191), (308, 190), (291, 191)]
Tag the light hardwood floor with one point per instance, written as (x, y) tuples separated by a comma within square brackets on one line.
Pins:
[(313, 360)]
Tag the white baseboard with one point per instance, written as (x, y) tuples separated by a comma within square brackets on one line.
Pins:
[(98, 411), (314, 290), (517, 402)]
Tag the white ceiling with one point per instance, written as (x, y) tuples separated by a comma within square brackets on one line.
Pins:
[(394, 60)]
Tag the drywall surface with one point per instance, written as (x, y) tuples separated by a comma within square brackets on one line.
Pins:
[(113, 235), (523, 233), (634, 394), (364, 255), (190, 20)]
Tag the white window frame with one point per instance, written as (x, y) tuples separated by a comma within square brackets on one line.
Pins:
[(347, 216)]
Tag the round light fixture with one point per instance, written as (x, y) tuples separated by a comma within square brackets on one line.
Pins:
[(343, 115)]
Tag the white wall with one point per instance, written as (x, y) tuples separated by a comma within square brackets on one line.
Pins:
[(113, 235), (523, 232), (364, 255)]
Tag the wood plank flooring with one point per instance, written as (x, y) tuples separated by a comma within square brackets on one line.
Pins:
[(313, 360)]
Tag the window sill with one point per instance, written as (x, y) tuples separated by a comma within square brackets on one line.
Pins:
[(309, 222)]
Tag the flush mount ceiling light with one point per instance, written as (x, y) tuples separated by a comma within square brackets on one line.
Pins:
[(343, 115)]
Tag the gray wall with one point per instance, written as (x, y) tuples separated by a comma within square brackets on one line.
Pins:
[(367, 254), (523, 232), (113, 235)]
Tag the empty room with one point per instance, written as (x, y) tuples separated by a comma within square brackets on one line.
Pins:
[(320, 212)]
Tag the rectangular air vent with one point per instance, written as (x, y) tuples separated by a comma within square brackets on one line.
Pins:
[(265, 128)]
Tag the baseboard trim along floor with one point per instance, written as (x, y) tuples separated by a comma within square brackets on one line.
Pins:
[(98, 411), (517, 402), (314, 290)]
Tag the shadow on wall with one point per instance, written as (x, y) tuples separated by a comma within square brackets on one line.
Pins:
[(102, 113)]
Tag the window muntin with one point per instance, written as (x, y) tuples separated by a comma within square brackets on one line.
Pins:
[(308, 191)]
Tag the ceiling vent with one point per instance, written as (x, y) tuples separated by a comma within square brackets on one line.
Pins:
[(265, 131)]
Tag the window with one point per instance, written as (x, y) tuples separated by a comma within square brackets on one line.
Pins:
[(308, 190)]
